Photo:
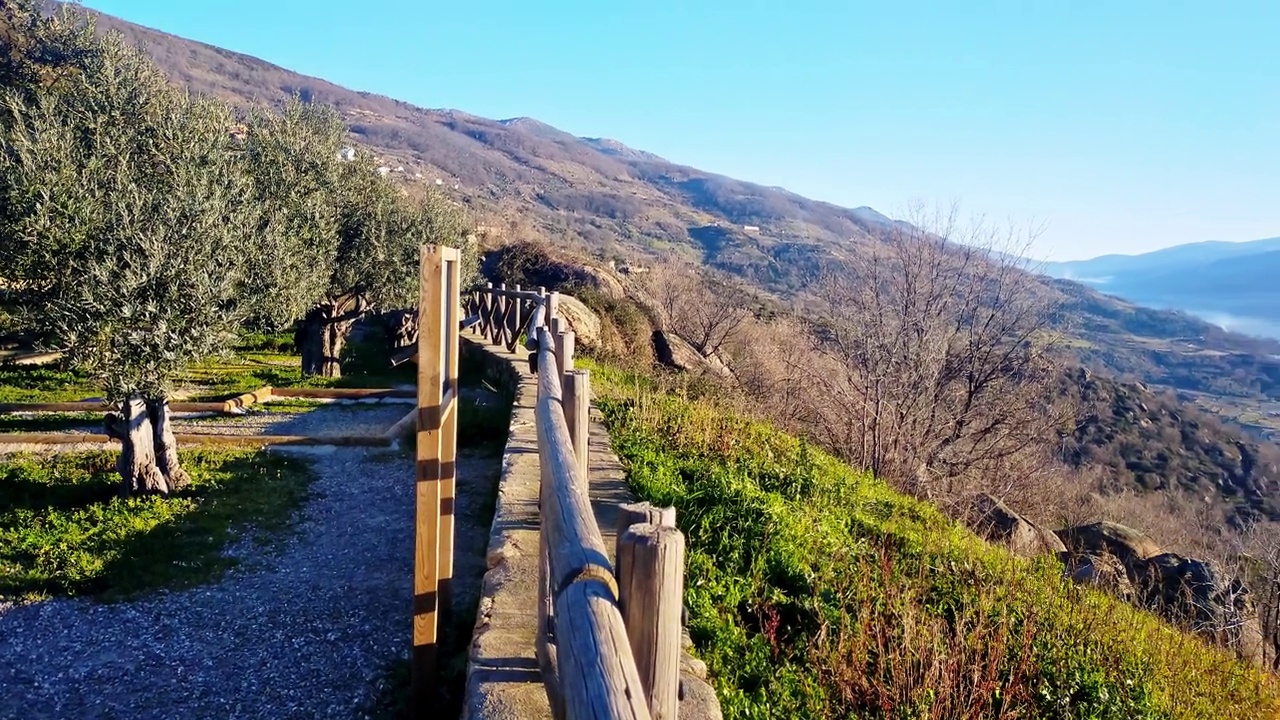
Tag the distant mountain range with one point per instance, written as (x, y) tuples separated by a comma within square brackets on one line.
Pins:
[(1234, 285)]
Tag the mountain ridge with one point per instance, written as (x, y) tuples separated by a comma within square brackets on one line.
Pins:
[(523, 178)]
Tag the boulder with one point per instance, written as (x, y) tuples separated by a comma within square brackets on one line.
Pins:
[(1103, 571), (603, 282), (672, 351), (1195, 592), (582, 320), (996, 522), (1124, 543)]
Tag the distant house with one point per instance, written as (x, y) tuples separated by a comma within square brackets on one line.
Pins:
[(751, 228)]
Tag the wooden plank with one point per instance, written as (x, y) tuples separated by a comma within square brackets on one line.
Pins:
[(343, 393), (598, 676), (91, 406), (448, 431), (242, 401), (426, 564), (202, 439), (651, 591), (515, 293), (402, 426), (95, 406)]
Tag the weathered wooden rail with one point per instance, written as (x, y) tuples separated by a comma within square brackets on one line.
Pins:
[(608, 640)]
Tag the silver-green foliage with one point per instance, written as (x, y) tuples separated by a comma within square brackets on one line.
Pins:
[(141, 227), (127, 217)]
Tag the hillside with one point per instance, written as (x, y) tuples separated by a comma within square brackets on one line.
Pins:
[(1147, 439), (524, 178), (816, 591), (595, 191)]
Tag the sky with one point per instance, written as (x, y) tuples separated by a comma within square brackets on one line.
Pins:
[(1117, 125)]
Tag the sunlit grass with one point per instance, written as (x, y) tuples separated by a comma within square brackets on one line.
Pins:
[(816, 591), (64, 530)]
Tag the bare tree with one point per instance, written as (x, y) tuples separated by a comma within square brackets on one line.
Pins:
[(937, 367), (704, 308)]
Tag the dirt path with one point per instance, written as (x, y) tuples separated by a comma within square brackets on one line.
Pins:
[(306, 632)]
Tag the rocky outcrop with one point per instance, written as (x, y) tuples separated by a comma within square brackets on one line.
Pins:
[(582, 320), (996, 522), (1192, 593), (1127, 545), (672, 351)]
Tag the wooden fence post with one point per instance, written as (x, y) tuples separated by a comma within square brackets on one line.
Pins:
[(642, 513), (426, 564), (517, 324), (564, 351), (577, 414), (500, 331), (553, 306), (651, 589), (486, 311)]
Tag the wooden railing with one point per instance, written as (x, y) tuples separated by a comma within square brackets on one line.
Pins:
[(608, 641)]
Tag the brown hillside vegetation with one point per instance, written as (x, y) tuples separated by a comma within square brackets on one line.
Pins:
[(525, 179)]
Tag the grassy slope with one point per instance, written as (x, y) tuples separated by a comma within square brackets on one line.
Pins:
[(817, 591), (64, 530)]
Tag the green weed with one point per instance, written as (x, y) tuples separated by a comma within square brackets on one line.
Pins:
[(816, 591), (64, 530)]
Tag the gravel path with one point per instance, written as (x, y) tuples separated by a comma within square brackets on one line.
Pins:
[(303, 633)]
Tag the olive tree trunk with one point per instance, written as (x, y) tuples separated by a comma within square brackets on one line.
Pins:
[(324, 333), (142, 470), (166, 445)]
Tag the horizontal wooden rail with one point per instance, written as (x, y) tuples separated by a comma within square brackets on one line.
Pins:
[(343, 393), (89, 406), (201, 439), (515, 294), (597, 672)]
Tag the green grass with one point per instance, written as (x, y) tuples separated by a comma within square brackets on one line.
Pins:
[(36, 383), (50, 422), (816, 591), (256, 361), (65, 531)]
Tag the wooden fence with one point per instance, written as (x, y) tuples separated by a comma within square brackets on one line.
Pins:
[(608, 640)]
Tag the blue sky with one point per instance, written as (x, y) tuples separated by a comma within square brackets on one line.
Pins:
[(1122, 125)]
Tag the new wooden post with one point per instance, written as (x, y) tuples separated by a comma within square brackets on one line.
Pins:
[(449, 424), (650, 565), (577, 414), (437, 363)]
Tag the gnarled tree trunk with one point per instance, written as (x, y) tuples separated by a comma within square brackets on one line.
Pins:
[(139, 471), (166, 445), (324, 333)]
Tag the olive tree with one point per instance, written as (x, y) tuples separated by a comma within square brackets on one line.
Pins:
[(128, 232), (295, 175), (381, 228)]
